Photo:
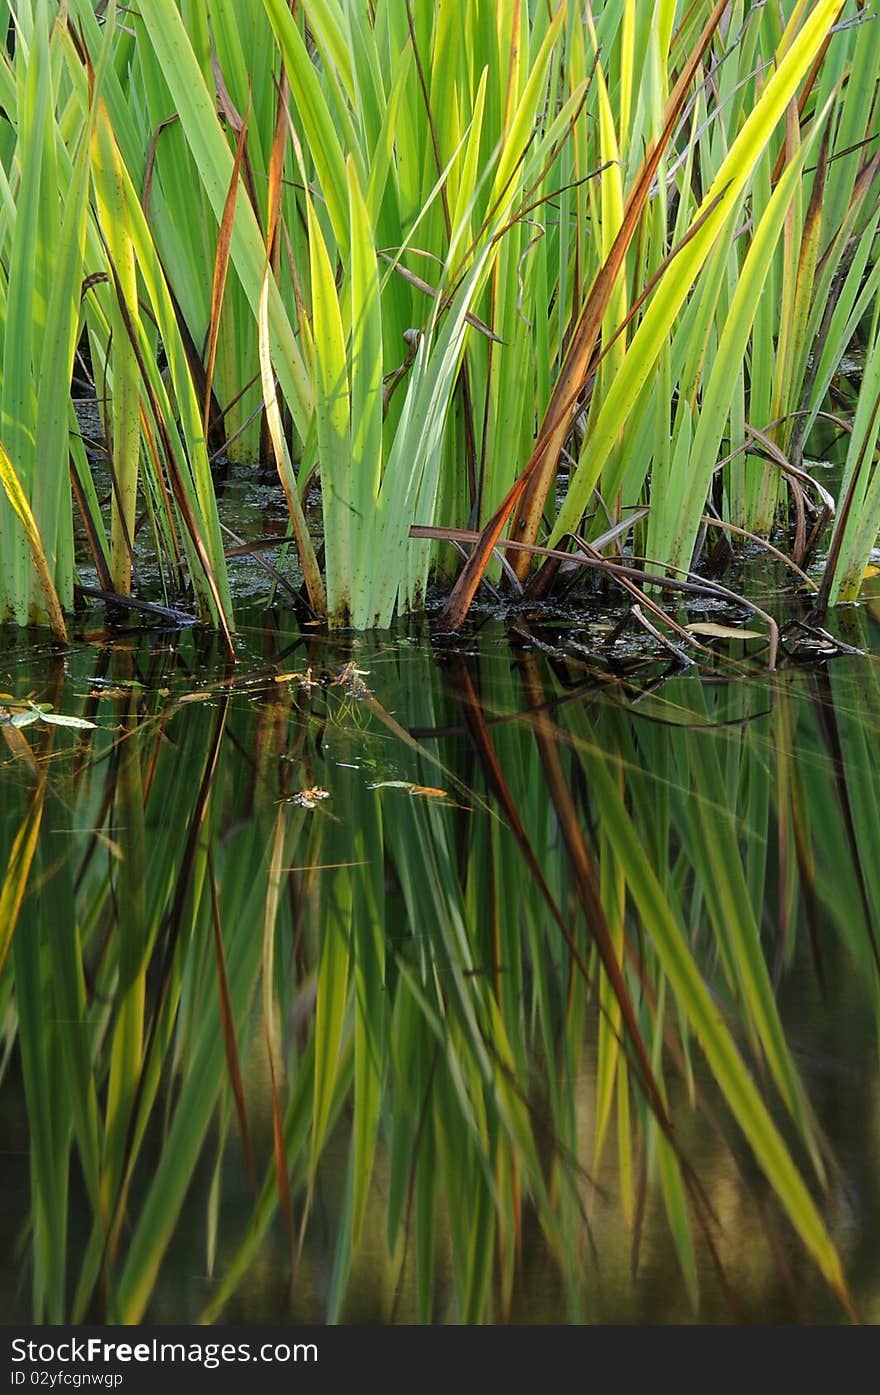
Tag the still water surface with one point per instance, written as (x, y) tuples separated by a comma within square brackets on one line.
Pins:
[(343, 984)]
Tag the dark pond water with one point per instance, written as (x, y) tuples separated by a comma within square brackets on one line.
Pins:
[(386, 980)]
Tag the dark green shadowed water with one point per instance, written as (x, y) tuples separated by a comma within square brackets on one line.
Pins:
[(385, 981)]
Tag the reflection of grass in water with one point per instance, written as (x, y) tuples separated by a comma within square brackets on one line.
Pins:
[(457, 1119)]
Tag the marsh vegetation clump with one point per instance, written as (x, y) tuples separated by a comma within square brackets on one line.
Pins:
[(523, 270)]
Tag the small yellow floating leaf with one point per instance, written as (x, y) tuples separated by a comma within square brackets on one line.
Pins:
[(305, 680), (714, 631)]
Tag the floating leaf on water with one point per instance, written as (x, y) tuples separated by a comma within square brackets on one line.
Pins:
[(41, 712), (713, 631), (24, 719), (58, 719), (54, 719)]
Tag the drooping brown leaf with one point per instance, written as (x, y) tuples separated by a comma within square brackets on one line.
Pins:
[(529, 492), (221, 265)]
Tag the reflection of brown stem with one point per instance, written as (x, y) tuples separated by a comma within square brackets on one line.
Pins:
[(172, 935), (129, 922), (582, 863), (586, 876)]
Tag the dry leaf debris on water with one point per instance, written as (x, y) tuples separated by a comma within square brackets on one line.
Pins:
[(348, 676), (310, 798), (42, 712)]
